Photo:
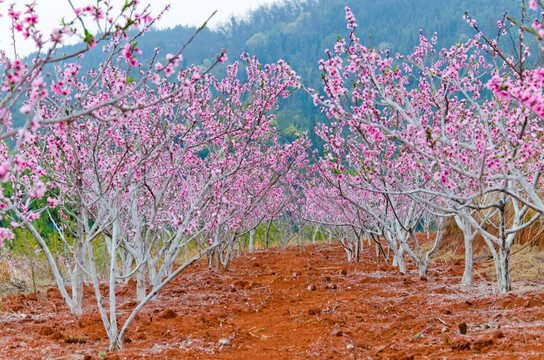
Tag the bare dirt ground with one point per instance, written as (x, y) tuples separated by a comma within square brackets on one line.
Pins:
[(284, 304)]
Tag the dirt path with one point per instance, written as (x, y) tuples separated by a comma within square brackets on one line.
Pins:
[(281, 304)]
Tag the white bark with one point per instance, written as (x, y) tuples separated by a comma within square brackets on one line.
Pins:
[(251, 240), (468, 235)]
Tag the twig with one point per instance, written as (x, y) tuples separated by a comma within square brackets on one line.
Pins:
[(252, 334), (481, 277), (439, 319), (329, 248), (382, 349), (392, 327), (483, 312), (417, 336), (20, 332)]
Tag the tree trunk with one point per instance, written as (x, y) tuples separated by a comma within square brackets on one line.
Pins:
[(504, 277), (141, 286), (267, 236), (77, 291), (469, 260), (398, 260), (113, 331), (152, 273), (77, 274), (358, 247), (127, 261), (231, 249), (423, 268), (116, 343), (76, 279), (251, 240), (357, 250)]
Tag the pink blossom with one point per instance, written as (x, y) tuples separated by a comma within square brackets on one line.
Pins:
[(33, 216), (25, 109), (51, 202), (169, 70), (19, 162), (5, 167), (195, 76), (5, 234), (38, 191), (156, 79)]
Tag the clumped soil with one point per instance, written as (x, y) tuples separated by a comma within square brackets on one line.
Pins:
[(288, 304)]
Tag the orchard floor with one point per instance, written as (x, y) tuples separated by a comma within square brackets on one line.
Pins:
[(284, 304)]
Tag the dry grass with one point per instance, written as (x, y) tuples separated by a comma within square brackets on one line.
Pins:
[(4, 271), (527, 257), (20, 275), (527, 263), (448, 250)]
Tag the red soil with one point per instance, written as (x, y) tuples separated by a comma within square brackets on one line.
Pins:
[(283, 304)]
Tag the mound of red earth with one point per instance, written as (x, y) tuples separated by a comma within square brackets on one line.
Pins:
[(284, 304)]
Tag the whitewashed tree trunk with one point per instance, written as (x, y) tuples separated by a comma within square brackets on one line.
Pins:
[(316, 230), (251, 241), (504, 277), (115, 342), (127, 261), (358, 244), (267, 235), (507, 233), (468, 235), (76, 279), (398, 252), (141, 286), (347, 245), (398, 260)]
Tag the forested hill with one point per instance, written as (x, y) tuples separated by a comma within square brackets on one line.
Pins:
[(299, 32)]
